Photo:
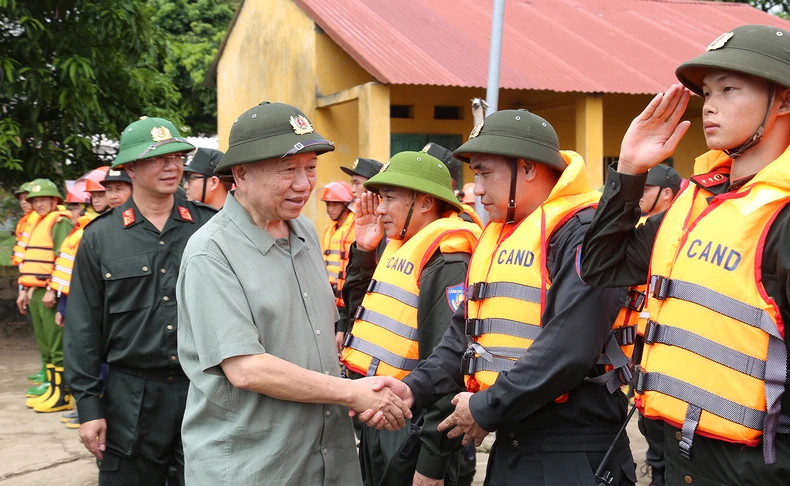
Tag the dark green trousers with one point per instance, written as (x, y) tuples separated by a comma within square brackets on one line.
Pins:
[(144, 418), (49, 336)]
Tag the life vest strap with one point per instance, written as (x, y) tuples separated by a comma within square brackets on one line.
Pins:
[(635, 300), (478, 327), (693, 395), (395, 292), (386, 322), (487, 290), (663, 288), (614, 356), (66, 256), (674, 336), (379, 353), (472, 364)]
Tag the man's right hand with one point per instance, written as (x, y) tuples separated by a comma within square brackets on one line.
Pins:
[(370, 417), (368, 227), (384, 406), (21, 302), (93, 435)]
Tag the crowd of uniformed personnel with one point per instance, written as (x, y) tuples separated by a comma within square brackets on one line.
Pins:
[(446, 329)]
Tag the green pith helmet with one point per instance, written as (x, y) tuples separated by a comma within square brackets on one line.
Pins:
[(270, 131), (44, 188), (419, 172), (518, 134), (23, 189), (757, 50), (149, 137)]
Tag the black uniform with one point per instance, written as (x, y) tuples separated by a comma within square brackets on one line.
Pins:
[(438, 456), (617, 254), (539, 441), (122, 311)]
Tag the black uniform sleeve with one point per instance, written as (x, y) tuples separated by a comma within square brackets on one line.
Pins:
[(433, 318), (615, 253), (576, 322), (82, 332), (359, 272)]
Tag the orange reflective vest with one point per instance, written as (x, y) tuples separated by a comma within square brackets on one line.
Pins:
[(715, 361), (23, 229), (39, 260), (507, 280), (64, 263), (384, 337), (336, 246)]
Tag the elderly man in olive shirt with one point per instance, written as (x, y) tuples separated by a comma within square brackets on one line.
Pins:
[(266, 404)]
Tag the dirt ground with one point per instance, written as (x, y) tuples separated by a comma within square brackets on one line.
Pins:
[(37, 449)]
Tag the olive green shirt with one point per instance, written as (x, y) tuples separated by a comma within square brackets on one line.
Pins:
[(122, 308), (243, 292)]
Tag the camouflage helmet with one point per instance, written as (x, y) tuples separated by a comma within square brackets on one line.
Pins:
[(44, 188), (515, 134), (758, 50), (270, 131), (23, 189), (149, 137), (419, 172)]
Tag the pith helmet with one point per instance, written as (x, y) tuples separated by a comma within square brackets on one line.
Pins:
[(419, 172), (514, 133), (453, 165), (23, 189), (44, 188), (338, 191), (149, 137), (758, 50), (269, 131), (366, 168), (204, 162)]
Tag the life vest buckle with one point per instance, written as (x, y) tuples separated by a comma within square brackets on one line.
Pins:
[(342, 254), (347, 340), (476, 291), (358, 313), (685, 448), (371, 286), (472, 327), (651, 329), (640, 380), (468, 364), (326, 252), (635, 300), (625, 375), (625, 335), (659, 287)]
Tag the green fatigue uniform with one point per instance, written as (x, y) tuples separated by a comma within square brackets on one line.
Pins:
[(243, 292), (616, 254), (438, 457), (122, 311)]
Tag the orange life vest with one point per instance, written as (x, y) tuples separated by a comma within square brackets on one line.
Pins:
[(384, 337), (336, 246), (715, 361), (64, 263), (507, 280), (23, 229), (39, 260)]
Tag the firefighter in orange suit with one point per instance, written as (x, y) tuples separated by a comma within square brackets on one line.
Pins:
[(336, 242), (35, 296), (410, 299)]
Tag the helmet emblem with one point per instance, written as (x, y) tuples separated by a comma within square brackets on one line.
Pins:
[(385, 167), (719, 42), (160, 134), (476, 130), (35, 188), (301, 125), (356, 162)]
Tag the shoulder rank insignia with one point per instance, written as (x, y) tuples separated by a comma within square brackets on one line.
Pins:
[(301, 125), (455, 296), (184, 212), (128, 217)]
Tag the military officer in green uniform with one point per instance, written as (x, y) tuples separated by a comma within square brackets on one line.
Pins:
[(122, 311), (200, 182)]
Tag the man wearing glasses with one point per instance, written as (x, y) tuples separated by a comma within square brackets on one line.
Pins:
[(122, 311), (201, 184)]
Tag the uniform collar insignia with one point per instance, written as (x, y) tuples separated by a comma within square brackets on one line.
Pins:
[(301, 125), (185, 215), (128, 217), (712, 179)]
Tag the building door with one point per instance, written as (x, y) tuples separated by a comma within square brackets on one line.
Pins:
[(400, 142)]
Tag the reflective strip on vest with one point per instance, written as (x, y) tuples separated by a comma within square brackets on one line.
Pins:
[(525, 330), (381, 354), (387, 323), (395, 292), (483, 290)]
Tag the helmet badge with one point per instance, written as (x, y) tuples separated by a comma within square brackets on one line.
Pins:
[(476, 130), (301, 125), (160, 134), (719, 42), (385, 167)]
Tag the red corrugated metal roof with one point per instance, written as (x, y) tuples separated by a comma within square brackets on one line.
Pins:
[(592, 46)]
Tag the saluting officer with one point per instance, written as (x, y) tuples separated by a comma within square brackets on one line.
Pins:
[(201, 184), (714, 366), (122, 311)]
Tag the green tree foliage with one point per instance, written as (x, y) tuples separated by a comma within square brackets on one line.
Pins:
[(776, 7), (195, 30), (71, 70)]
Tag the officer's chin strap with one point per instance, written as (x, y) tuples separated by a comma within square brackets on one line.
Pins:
[(203, 196), (408, 216), (511, 204), (655, 201), (740, 150)]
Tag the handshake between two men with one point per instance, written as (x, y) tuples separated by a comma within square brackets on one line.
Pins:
[(390, 404)]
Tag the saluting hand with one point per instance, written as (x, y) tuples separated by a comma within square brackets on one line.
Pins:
[(368, 227), (461, 422), (655, 133)]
